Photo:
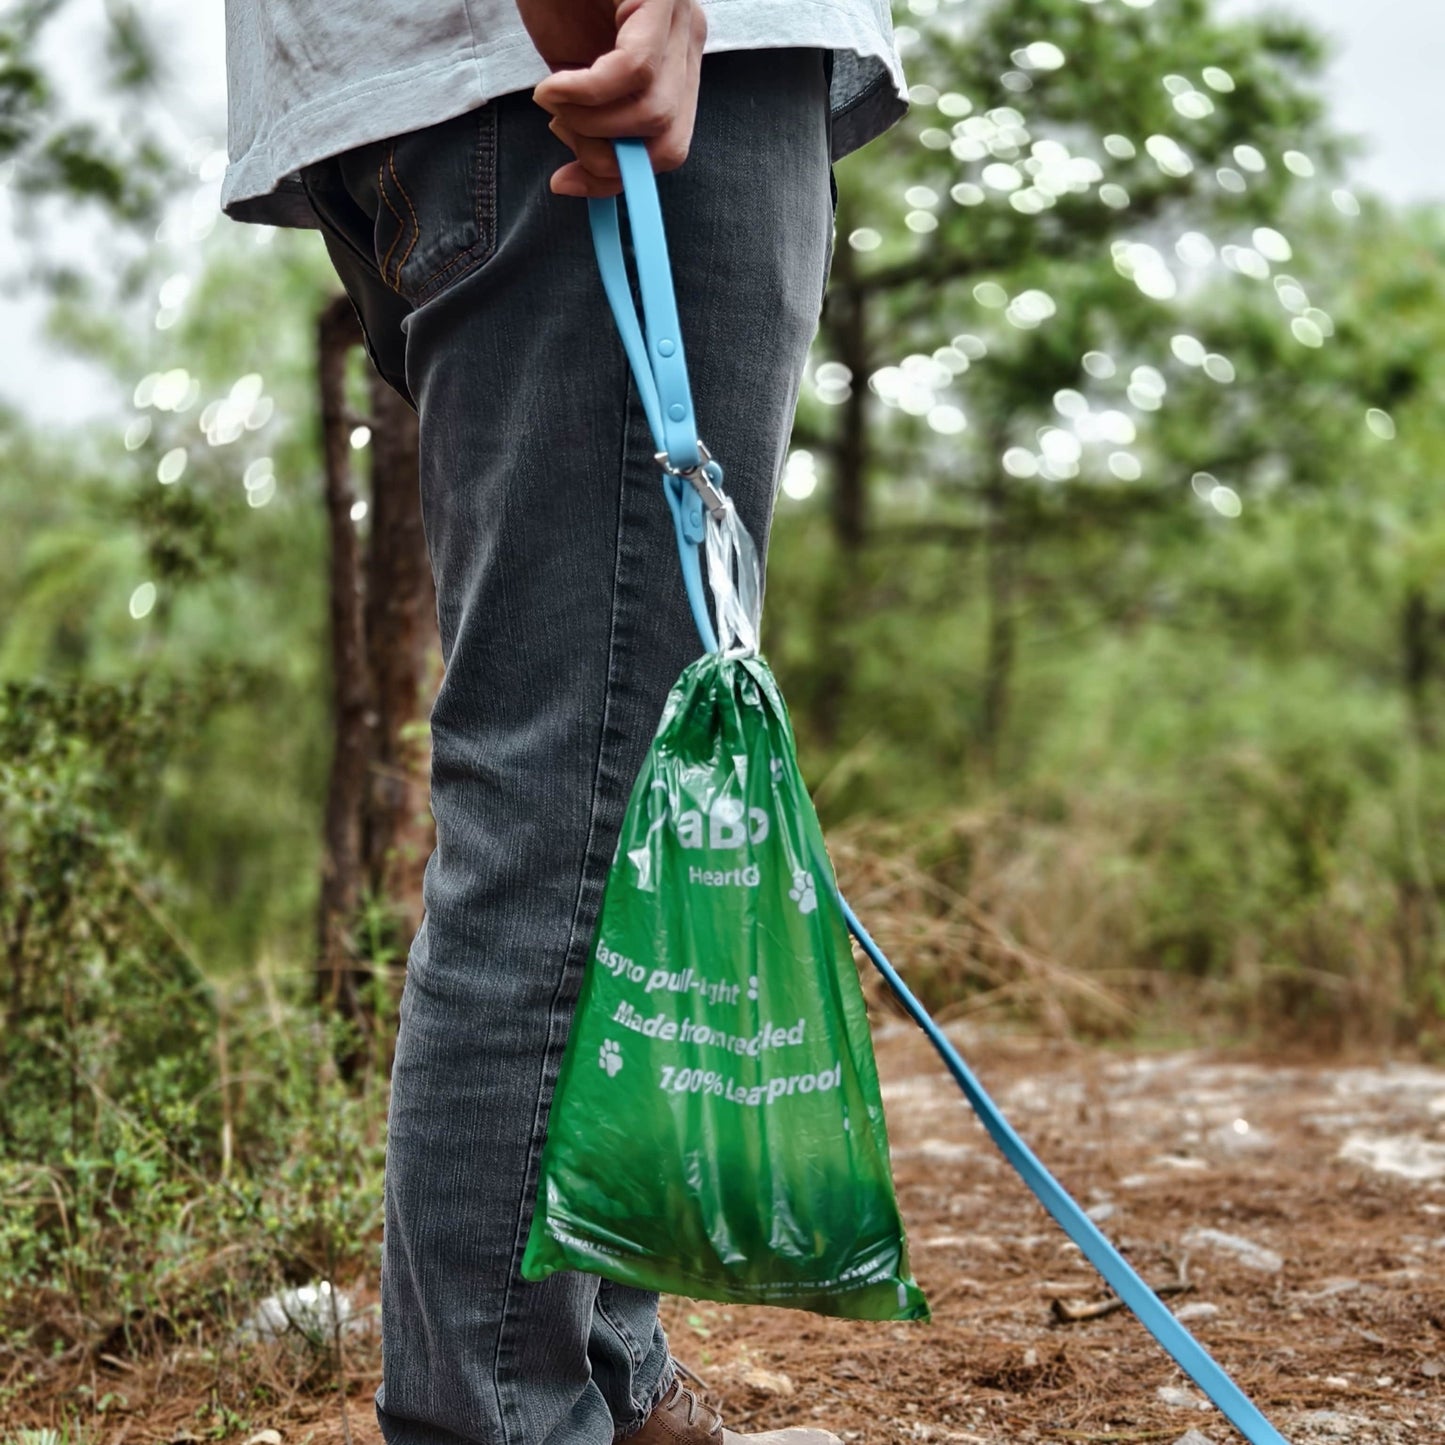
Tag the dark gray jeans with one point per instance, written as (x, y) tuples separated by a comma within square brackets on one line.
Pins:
[(563, 624)]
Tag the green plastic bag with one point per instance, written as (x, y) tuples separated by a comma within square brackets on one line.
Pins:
[(717, 1129)]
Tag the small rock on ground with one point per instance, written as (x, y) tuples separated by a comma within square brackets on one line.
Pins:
[(1195, 1311), (1246, 1251)]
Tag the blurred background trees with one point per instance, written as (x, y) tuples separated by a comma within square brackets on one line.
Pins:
[(1102, 473), (1108, 540), (1107, 588)]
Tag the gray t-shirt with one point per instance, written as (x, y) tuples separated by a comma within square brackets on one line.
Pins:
[(312, 78)]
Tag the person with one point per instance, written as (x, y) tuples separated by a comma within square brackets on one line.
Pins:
[(439, 148)]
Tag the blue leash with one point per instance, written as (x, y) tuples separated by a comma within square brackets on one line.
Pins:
[(690, 474)]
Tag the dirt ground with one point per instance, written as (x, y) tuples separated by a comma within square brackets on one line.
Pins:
[(1333, 1322), (1301, 1206)]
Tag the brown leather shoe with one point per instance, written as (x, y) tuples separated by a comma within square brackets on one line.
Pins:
[(680, 1418)]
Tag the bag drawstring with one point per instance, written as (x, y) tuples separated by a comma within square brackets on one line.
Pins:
[(732, 573)]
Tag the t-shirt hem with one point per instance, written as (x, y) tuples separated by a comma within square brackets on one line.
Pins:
[(263, 186)]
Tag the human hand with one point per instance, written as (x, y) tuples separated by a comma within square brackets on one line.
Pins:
[(619, 68)]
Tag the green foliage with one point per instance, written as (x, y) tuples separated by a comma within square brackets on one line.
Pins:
[(51, 152), (84, 936), (1197, 609), (163, 1144), (1136, 687), (239, 588), (226, 1167), (1223, 732), (1094, 157)]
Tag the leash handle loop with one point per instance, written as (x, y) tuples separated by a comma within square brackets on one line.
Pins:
[(658, 360)]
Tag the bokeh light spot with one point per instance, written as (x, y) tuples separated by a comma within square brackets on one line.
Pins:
[(1381, 423), (1117, 427), (171, 466), (1002, 177), (1225, 501), (800, 476), (1188, 349), (947, 419), (143, 600), (1271, 244), (1020, 462)]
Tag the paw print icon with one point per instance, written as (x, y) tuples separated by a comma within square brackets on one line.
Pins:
[(802, 892), (610, 1057), (753, 988)]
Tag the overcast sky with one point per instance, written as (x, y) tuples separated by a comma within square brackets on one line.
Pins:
[(1385, 86)]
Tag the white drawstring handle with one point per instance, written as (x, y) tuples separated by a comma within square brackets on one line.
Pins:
[(732, 572)]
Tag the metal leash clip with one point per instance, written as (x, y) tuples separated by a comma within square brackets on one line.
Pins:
[(715, 502)]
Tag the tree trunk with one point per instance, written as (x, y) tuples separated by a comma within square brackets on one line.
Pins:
[(384, 653), (1417, 647), (845, 329), (401, 644), (338, 978)]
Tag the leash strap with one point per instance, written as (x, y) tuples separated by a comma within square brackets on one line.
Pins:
[(661, 376), (659, 366)]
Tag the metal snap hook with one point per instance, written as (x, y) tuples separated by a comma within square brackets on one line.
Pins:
[(714, 500)]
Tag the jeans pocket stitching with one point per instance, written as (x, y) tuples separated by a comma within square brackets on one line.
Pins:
[(395, 284), (415, 224), (467, 255), (484, 188)]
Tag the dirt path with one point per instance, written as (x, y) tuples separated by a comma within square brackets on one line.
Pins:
[(1321, 1287)]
